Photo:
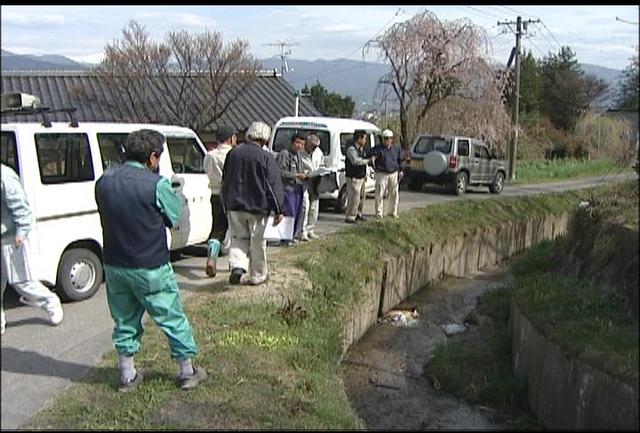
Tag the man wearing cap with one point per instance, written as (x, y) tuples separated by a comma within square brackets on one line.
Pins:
[(213, 164), (251, 190), (312, 159), (388, 167)]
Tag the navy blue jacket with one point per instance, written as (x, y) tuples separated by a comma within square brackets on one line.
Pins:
[(389, 159), (251, 181)]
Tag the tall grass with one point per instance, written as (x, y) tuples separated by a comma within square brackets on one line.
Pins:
[(561, 169)]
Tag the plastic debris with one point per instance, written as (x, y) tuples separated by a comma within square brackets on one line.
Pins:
[(583, 204), (453, 328), (402, 318)]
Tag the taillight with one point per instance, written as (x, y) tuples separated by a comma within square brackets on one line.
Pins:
[(453, 161)]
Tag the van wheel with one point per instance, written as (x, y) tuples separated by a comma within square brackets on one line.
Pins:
[(460, 183), (79, 274), (498, 183), (341, 202)]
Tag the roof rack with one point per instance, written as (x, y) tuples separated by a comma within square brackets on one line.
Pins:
[(44, 112)]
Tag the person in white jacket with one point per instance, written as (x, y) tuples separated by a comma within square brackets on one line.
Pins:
[(312, 159), (17, 222), (219, 239)]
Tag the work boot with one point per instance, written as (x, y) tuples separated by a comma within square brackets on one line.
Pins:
[(131, 385), (192, 381), (236, 274)]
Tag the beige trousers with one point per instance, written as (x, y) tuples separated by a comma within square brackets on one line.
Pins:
[(387, 182), (248, 249), (355, 197)]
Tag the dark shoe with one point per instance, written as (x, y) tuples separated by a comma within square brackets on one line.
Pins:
[(190, 382), (360, 218), (236, 274), (131, 385), (211, 268), (350, 221)]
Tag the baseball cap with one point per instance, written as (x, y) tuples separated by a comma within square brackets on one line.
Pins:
[(224, 132), (387, 133)]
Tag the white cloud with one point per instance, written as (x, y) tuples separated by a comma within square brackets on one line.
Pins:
[(339, 28), (27, 19), (94, 58)]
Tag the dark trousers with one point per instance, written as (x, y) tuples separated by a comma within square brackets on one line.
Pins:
[(220, 223), (293, 207)]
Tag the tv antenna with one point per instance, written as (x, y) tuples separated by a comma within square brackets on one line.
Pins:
[(284, 66)]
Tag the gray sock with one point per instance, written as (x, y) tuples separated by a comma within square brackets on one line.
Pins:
[(186, 367), (127, 370)]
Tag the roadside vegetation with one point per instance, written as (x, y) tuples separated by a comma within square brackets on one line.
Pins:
[(276, 363), (556, 170), (593, 323)]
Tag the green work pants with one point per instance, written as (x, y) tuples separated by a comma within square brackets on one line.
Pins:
[(131, 292)]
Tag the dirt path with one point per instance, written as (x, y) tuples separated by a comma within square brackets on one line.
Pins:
[(384, 372)]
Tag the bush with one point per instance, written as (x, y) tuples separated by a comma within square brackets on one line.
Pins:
[(605, 137)]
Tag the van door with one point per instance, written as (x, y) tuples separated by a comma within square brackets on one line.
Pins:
[(189, 179)]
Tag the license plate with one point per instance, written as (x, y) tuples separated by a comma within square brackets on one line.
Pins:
[(416, 164)]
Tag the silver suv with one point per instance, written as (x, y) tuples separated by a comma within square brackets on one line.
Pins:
[(454, 161)]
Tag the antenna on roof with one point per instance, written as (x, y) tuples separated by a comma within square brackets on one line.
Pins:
[(284, 66)]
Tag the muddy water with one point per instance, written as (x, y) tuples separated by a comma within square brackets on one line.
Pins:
[(384, 372)]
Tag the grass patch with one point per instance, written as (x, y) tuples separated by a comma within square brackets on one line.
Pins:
[(560, 169), (278, 366)]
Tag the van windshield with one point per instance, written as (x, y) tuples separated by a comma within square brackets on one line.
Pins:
[(282, 138), (428, 144)]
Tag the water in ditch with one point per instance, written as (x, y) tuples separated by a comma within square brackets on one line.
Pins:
[(384, 372)]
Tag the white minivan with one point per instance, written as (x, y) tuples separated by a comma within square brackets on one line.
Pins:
[(336, 134), (59, 165)]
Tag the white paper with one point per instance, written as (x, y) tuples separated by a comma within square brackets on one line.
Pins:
[(284, 230), (319, 172)]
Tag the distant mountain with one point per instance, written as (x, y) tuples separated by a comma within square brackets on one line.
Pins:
[(11, 62), (353, 78)]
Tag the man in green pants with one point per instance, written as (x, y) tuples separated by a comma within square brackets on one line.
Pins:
[(135, 205)]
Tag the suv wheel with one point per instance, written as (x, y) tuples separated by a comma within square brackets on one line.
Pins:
[(498, 183), (414, 184), (460, 183)]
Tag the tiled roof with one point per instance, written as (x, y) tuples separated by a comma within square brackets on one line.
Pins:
[(268, 99)]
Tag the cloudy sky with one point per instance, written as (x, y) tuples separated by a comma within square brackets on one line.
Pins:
[(601, 35)]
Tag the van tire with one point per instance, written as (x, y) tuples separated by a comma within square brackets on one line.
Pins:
[(79, 274), (341, 201)]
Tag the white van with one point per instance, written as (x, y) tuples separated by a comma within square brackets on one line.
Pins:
[(59, 166), (336, 134)]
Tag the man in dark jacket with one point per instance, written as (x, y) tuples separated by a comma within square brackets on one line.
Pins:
[(251, 190), (135, 206), (355, 165), (388, 166)]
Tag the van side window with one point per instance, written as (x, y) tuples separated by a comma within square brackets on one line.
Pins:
[(8, 150), (64, 158), (112, 149), (463, 147), (186, 155), (346, 140)]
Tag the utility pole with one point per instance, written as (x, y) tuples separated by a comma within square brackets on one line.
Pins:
[(284, 67), (516, 106)]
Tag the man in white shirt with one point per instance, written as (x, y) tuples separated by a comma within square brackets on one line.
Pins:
[(213, 164), (312, 159)]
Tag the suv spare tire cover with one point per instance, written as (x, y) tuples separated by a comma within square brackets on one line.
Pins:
[(435, 163)]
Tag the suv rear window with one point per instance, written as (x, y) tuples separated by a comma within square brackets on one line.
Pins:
[(428, 144)]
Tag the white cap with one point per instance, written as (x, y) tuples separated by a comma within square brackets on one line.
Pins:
[(259, 131), (387, 133)]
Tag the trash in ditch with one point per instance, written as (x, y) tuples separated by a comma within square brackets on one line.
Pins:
[(453, 328), (402, 318)]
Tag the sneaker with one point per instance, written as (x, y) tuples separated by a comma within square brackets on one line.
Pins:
[(211, 267), (304, 238), (30, 303), (55, 315), (131, 385), (258, 283), (236, 274), (312, 235), (190, 382)]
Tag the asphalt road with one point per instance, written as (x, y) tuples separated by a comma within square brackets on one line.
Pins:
[(40, 361)]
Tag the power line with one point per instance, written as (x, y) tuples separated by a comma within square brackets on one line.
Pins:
[(554, 38), (317, 75), (482, 12), (534, 45), (518, 12)]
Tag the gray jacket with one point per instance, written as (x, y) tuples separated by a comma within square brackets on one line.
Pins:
[(16, 212)]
